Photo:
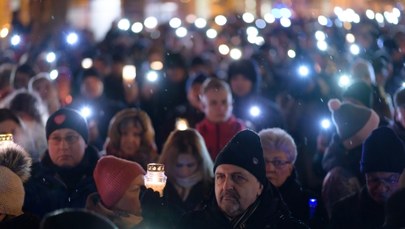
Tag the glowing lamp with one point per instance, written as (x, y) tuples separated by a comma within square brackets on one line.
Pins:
[(6, 138), (128, 74), (155, 177)]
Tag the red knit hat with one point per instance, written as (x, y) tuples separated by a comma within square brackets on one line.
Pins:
[(113, 177)]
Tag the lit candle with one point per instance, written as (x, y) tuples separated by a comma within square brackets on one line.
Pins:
[(181, 124), (6, 138), (155, 177), (129, 74)]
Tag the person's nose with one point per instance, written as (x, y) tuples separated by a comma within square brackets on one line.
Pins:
[(228, 184)]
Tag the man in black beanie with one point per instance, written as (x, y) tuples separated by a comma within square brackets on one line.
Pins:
[(243, 196), (382, 162)]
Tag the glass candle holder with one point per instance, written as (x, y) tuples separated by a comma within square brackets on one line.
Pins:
[(6, 138), (155, 177)]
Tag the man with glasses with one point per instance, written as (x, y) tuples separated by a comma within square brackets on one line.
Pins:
[(382, 162), (64, 176)]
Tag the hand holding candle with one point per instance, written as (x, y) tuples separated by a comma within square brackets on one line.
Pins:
[(155, 177)]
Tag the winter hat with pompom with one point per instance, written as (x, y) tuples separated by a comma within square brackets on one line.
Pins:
[(15, 168), (353, 123)]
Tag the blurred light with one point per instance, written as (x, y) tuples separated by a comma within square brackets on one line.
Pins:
[(396, 12), (223, 49), (276, 12), (123, 24), (344, 81), (50, 57), (181, 32), (85, 112), (4, 32), (200, 23), (53, 74), (150, 22), (379, 18), (291, 53), (87, 63), (259, 40), (220, 20), (181, 124), (269, 18), (391, 18), (175, 22), (137, 27), (72, 38), (252, 31), (354, 49), (320, 36), (337, 10), (347, 25), (350, 38), (285, 22), (190, 18), (15, 40), (303, 71), (152, 76), (248, 17), (322, 45), (211, 33), (235, 53), (326, 123), (370, 14), (156, 65), (322, 20), (260, 23), (285, 12), (129, 73), (255, 111), (403, 84)]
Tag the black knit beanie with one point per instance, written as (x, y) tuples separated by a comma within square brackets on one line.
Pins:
[(67, 118), (383, 151), (244, 150)]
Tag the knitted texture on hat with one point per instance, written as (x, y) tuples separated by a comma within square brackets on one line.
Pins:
[(244, 150), (353, 123), (67, 118), (113, 176), (383, 151), (15, 168)]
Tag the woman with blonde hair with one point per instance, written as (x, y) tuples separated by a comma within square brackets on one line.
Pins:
[(131, 136)]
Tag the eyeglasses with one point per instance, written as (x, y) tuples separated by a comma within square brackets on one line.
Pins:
[(376, 181), (278, 163), (69, 139)]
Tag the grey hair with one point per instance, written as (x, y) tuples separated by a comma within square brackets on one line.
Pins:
[(276, 139)]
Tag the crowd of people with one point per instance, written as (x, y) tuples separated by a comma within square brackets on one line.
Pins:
[(239, 138)]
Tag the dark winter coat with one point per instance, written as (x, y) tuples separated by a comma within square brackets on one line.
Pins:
[(51, 188), (24, 221), (357, 211), (271, 212)]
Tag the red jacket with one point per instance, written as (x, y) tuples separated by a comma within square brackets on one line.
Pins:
[(216, 135)]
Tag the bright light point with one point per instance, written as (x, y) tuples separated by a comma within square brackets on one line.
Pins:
[(320, 36), (175, 23), (322, 45), (370, 14), (137, 27), (403, 84), (181, 124), (4, 32), (344, 81), (337, 10), (200, 23), (259, 40), (53, 74), (326, 124), (285, 12), (150, 22), (211, 33), (235, 54), (354, 49), (260, 23), (350, 38), (276, 12), (87, 63), (220, 20), (291, 53), (85, 112), (356, 19), (269, 18), (255, 111), (322, 20), (50, 57), (152, 76), (252, 31), (379, 18), (285, 22), (396, 12), (15, 40), (223, 49), (72, 38), (123, 24), (248, 17), (181, 32), (303, 71), (156, 65)]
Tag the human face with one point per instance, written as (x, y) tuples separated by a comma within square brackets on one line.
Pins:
[(129, 202), (186, 165), (21, 80), (381, 185), (240, 85), (235, 189), (66, 148), (217, 105), (130, 140), (278, 167), (92, 87), (43, 87)]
